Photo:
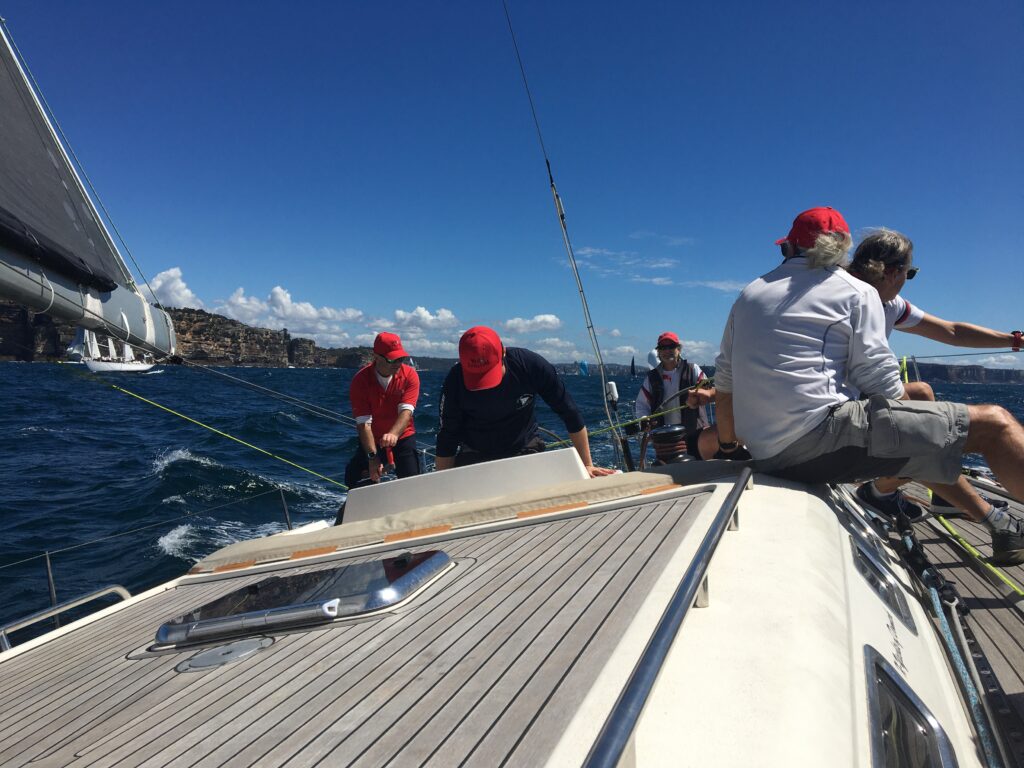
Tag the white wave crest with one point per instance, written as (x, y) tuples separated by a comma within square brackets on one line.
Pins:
[(178, 541), (154, 372), (165, 459)]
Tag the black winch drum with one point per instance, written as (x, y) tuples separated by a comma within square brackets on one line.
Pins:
[(670, 444)]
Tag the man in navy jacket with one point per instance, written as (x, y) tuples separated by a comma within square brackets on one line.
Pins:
[(487, 404)]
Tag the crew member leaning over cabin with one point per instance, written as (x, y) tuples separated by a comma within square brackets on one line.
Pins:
[(487, 403), (800, 345), (884, 261), (658, 390)]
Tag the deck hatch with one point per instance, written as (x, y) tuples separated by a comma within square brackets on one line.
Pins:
[(903, 730), (882, 582), (310, 597)]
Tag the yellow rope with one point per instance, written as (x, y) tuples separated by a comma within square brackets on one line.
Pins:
[(229, 437), (703, 384), (978, 556)]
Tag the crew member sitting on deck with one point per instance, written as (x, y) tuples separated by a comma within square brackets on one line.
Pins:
[(800, 345), (384, 395), (884, 260), (658, 394), (487, 403)]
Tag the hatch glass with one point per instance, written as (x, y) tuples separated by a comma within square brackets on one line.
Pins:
[(310, 597)]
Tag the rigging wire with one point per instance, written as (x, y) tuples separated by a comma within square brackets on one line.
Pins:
[(130, 531), (560, 210), (225, 434), (79, 167), (313, 408)]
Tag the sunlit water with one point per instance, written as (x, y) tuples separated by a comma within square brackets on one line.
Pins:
[(81, 461)]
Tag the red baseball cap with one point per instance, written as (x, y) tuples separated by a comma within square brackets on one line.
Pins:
[(668, 339), (480, 353), (388, 345), (816, 221)]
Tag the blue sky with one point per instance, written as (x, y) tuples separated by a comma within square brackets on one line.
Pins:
[(346, 167)]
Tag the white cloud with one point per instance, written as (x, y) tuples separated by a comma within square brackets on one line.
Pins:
[(699, 351), (431, 348), (615, 333), (621, 353), (669, 240), (171, 290), (653, 280), (536, 323), (325, 325), (728, 286), (555, 343), (1007, 360), (422, 318)]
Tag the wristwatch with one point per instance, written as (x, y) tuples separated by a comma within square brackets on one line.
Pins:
[(1016, 340), (371, 454), (732, 445)]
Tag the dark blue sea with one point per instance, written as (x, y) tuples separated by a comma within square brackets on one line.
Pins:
[(120, 491)]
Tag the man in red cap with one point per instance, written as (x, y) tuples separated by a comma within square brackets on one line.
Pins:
[(487, 404), (384, 395), (800, 346), (659, 388)]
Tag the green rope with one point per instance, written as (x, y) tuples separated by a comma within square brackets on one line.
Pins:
[(229, 437)]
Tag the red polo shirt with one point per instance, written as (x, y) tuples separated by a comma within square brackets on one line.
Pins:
[(370, 399)]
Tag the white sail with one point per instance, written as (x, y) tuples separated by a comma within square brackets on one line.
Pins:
[(111, 352), (129, 355), (76, 350), (59, 256), (92, 345)]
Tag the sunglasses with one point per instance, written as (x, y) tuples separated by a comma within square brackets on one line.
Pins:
[(396, 361), (912, 271), (666, 349)]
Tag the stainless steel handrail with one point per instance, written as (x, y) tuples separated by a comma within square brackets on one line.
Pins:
[(35, 618), (618, 727)]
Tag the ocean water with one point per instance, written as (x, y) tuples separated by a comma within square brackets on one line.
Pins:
[(120, 491)]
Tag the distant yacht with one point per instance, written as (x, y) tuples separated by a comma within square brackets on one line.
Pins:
[(86, 349)]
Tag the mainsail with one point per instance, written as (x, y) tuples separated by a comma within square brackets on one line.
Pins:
[(56, 255)]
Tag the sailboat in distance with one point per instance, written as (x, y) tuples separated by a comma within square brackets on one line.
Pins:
[(56, 254)]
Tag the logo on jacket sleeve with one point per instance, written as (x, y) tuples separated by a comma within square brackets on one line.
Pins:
[(522, 401)]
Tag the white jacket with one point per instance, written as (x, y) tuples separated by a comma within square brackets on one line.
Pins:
[(799, 341)]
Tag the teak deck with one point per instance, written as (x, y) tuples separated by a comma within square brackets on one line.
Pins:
[(488, 664)]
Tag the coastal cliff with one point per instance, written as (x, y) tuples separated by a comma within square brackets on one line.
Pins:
[(211, 339)]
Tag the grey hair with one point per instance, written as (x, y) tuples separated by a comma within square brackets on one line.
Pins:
[(829, 250), (877, 251)]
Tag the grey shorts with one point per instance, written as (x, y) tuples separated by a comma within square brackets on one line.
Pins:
[(865, 439)]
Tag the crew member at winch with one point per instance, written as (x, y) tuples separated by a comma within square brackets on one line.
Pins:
[(884, 260), (487, 404), (658, 393), (383, 396)]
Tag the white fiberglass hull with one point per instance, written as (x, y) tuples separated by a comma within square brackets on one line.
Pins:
[(106, 366)]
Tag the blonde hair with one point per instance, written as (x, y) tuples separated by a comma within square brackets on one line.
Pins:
[(830, 249), (879, 250)]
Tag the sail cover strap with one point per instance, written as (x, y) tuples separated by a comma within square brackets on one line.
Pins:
[(44, 213)]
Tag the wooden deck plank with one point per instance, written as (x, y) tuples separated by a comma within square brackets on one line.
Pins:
[(178, 739), (235, 686), (451, 734), (518, 640), (347, 708), (595, 629)]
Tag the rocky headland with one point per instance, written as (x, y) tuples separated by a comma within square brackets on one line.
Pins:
[(211, 339)]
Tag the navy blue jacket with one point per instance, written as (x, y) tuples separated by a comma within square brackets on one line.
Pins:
[(499, 422)]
